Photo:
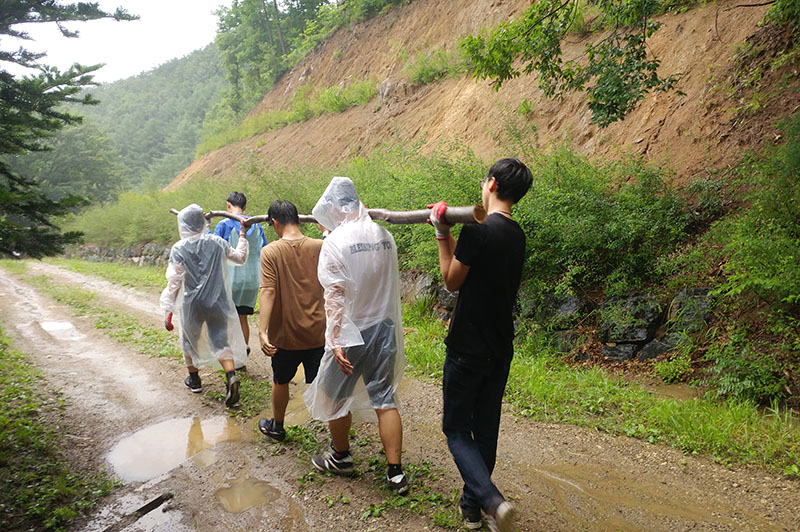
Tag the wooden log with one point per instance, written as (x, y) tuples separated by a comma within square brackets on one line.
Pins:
[(453, 215)]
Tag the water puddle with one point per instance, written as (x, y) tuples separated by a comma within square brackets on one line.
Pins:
[(159, 448), (680, 392), (61, 330), (609, 499), (244, 493)]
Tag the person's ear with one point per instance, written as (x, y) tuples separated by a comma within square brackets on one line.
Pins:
[(492, 184)]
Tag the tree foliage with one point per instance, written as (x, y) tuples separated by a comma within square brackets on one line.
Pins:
[(81, 160), (616, 71), (31, 110)]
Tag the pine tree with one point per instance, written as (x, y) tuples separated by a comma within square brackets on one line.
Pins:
[(32, 110)]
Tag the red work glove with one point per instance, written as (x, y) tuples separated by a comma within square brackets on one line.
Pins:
[(168, 321), (436, 219)]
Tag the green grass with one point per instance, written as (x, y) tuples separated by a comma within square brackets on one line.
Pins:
[(541, 386), (307, 103), (40, 490), (436, 63), (122, 274), (18, 267), (120, 326)]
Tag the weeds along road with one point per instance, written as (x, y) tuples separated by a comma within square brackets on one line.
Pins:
[(130, 413)]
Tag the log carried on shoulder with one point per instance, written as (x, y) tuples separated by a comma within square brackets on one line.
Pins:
[(453, 215)]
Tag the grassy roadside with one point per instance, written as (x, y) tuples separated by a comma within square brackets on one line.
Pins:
[(141, 277), (542, 387), (40, 491)]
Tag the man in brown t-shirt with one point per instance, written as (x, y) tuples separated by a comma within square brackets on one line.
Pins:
[(292, 316)]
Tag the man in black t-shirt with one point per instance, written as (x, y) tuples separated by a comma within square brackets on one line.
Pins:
[(486, 266)]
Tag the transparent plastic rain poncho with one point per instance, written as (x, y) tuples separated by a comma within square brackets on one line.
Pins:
[(358, 271), (198, 292), (246, 279)]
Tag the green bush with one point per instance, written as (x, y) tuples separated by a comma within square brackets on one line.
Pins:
[(764, 244), (675, 369), (741, 370), (598, 225), (434, 64)]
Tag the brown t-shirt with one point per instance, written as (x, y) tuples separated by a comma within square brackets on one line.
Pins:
[(298, 313)]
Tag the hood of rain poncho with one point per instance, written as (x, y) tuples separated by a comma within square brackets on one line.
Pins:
[(338, 203), (358, 272), (208, 325), (191, 221)]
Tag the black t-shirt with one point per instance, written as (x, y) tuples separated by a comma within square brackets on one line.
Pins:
[(482, 323)]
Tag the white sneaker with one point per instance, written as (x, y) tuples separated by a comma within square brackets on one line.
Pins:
[(503, 518)]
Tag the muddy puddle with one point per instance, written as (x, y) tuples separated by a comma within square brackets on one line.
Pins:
[(61, 330), (679, 392), (245, 492), (159, 448), (605, 498)]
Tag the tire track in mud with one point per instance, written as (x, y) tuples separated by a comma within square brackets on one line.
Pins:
[(560, 477)]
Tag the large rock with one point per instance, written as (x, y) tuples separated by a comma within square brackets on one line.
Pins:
[(690, 310), (620, 352), (415, 286), (655, 348), (630, 319), (447, 299), (562, 311)]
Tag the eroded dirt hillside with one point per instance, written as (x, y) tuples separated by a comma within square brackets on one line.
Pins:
[(705, 127)]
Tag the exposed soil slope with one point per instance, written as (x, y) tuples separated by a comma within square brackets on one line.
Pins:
[(704, 128)]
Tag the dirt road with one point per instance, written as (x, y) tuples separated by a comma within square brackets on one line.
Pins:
[(132, 415)]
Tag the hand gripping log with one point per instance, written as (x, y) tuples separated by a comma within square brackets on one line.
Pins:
[(453, 215)]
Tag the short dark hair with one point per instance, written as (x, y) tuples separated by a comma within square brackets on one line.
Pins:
[(513, 178), (237, 199), (283, 211)]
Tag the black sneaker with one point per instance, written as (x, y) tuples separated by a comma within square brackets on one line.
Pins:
[(193, 383), (472, 517), (328, 462), (268, 428), (232, 391), (398, 483)]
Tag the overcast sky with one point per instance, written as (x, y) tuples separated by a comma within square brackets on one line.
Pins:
[(167, 29)]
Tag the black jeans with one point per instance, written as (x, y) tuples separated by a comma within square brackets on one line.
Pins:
[(473, 390)]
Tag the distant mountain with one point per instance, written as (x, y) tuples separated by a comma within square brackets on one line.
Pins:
[(154, 119)]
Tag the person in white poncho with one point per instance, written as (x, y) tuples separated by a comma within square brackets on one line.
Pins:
[(198, 291), (363, 361)]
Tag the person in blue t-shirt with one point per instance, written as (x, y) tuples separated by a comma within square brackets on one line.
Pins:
[(245, 279)]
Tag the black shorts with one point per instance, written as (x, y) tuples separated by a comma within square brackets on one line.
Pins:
[(285, 363), (244, 311)]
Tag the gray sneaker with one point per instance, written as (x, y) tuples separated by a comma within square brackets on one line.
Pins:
[(232, 391), (328, 462), (503, 518), (398, 483)]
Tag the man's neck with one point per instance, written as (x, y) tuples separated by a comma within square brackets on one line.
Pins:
[(496, 204), (291, 232)]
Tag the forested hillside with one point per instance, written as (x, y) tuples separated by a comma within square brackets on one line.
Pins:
[(154, 119)]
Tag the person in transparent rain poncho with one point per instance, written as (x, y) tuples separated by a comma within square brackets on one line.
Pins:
[(198, 291), (245, 279), (363, 361)]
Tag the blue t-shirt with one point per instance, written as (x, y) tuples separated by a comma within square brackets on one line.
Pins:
[(224, 228)]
